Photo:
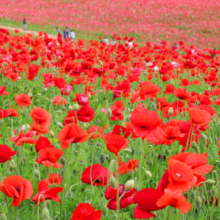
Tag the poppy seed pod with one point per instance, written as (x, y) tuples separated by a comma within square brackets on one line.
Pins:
[(170, 111), (45, 213), (11, 165), (129, 185), (210, 182), (3, 217), (102, 158), (148, 173), (75, 107), (113, 182), (198, 201)]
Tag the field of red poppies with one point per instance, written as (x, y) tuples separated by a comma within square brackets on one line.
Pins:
[(192, 21), (94, 131)]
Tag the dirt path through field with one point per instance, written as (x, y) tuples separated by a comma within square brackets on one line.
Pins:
[(28, 31)]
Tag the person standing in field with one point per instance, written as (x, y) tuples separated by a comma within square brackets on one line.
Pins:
[(67, 33), (58, 30), (25, 24), (72, 35)]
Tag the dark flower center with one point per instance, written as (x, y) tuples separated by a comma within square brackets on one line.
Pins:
[(18, 189)]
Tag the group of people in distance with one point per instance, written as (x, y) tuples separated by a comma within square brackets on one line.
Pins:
[(67, 34)]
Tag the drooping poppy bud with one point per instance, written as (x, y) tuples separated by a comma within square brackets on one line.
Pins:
[(113, 182), (129, 185)]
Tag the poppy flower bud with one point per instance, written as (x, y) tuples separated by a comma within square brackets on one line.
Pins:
[(167, 151), (107, 157), (204, 137), (109, 112), (194, 144), (148, 173), (217, 162), (104, 211), (51, 134), (151, 163), (63, 161), (102, 158), (70, 108), (153, 106), (59, 124), (36, 173), (127, 118), (131, 172), (210, 182), (45, 213), (75, 107), (3, 217), (113, 182), (133, 151), (85, 126), (203, 198), (152, 153), (69, 194), (170, 111), (11, 165), (198, 202), (129, 185), (30, 95), (214, 190), (127, 150)]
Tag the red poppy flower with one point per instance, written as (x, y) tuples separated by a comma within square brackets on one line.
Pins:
[(164, 181), (122, 89), (126, 200), (49, 157), (128, 166), (85, 113), (125, 132), (149, 90), (117, 114), (197, 162), (8, 113), (54, 178), (24, 138), (59, 100), (95, 129), (172, 133), (147, 201), (72, 133), (47, 193), (2, 91), (181, 177), (70, 118), (42, 120), (169, 89), (85, 211), (17, 188), (115, 142), (100, 175), (199, 117), (83, 100), (174, 199), (146, 125), (23, 100), (6, 153), (42, 143), (182, 94), (33, 70)]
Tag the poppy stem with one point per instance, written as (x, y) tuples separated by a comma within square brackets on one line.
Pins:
[(140, 164)]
